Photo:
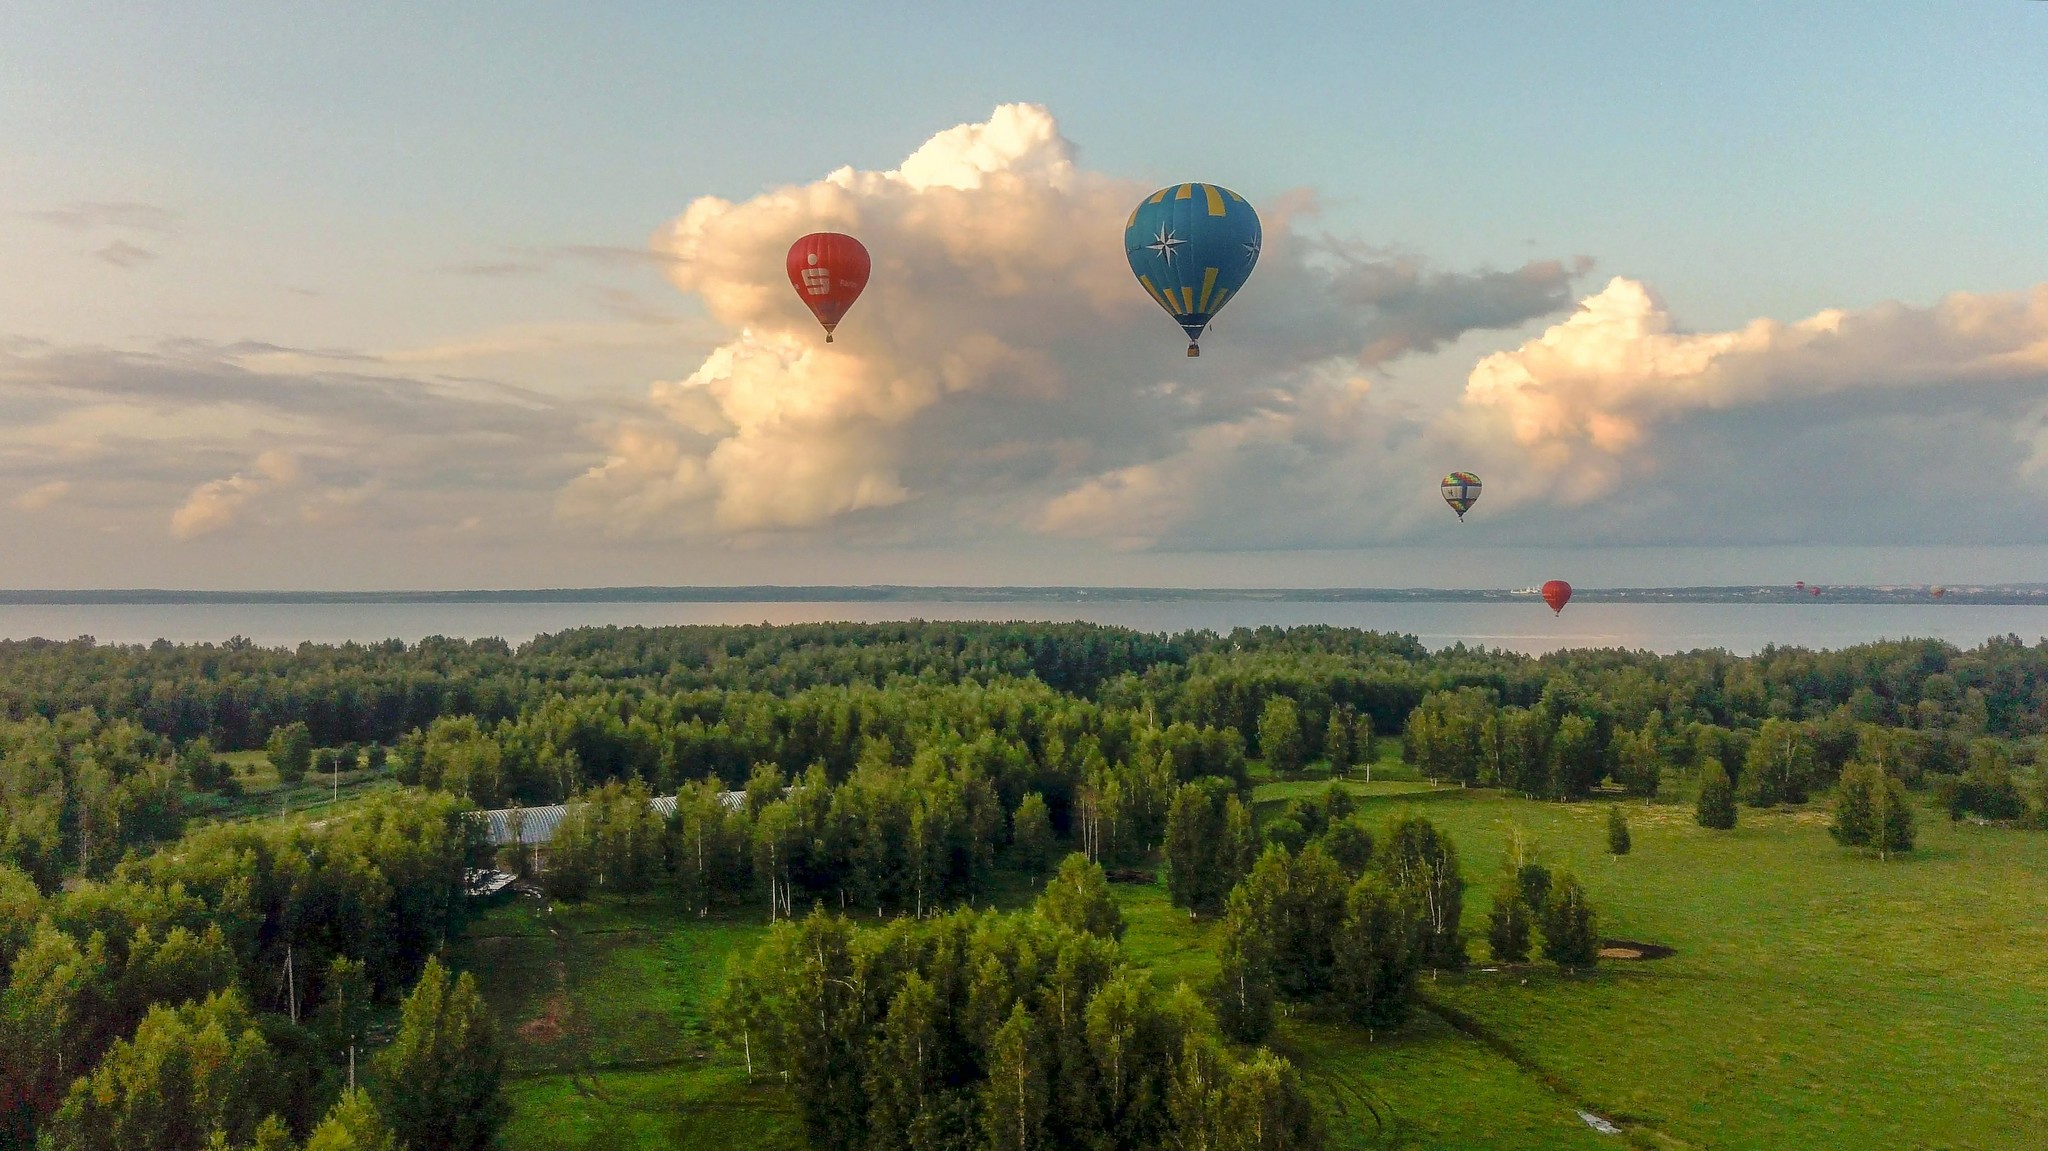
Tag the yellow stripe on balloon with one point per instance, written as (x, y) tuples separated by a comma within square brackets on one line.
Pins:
[(1187, 192), (1133, 219), (1159, 195), (1187, 297), (1233, 195), (1157, 296), (1208, 286), (1216, 305), (1215, 199)]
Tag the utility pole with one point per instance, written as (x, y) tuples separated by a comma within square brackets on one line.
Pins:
[(291, 984)]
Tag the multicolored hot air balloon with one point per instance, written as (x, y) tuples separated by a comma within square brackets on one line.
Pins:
[(1937, 591), (1192, 246), (828, 271), (1461, 491), (1557, 593)]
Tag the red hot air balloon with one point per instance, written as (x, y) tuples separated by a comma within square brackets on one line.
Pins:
[(828, 270), (1557, 593)]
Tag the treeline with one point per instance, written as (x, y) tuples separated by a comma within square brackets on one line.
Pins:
[(983, 1030), (236, 693), (905, 831), (214, 990), (1571, 741)]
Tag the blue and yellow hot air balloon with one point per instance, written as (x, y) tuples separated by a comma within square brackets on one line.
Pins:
[(1192, 246)]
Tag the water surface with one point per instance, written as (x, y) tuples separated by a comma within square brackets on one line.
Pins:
[(1523, 627)]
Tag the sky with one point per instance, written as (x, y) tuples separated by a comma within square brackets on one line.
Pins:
[(388, 296)]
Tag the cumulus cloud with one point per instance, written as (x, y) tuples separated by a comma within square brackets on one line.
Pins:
[(1891, 423), (1002, 373), (217, 504)]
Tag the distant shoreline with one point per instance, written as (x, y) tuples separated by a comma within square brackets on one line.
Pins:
[(2002, 594)]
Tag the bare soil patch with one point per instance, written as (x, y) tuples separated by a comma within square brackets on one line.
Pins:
[(550, 1025), (1631, 949)]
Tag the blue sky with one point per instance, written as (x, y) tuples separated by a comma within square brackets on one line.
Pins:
[(451, 200)]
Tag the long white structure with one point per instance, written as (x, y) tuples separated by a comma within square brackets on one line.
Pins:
[(537, 824)]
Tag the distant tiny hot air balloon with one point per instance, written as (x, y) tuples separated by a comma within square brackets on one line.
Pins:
[(1800, 584), (1557, 593), (1937, 591), (1192, 246), (1814, 590), (1461, 491), (828, 271)]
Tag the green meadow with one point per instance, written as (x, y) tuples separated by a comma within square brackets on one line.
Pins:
[(1817, 998)]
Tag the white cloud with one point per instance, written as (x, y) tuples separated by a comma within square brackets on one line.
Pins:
[(42, 496), (1890, 423), (218, 504), (1002, 373)]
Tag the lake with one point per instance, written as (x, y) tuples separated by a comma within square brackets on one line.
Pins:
[(1523, 627)]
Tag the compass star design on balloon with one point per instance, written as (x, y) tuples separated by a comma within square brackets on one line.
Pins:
[(1251, 253), (1165, 242)]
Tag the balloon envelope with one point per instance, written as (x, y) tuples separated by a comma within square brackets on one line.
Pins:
[(1557, 593), (828, 271), (1192, 246), (1937, 591), (1461, 491)]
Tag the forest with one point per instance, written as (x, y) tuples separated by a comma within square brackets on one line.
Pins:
[(934, 818)]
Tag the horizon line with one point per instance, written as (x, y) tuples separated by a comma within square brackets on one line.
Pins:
[(2011, 592)]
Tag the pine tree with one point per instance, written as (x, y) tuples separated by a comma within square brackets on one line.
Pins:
[(1571, 936), (1617, 832), (1716, 807), (1507, 924), (440, 1076)]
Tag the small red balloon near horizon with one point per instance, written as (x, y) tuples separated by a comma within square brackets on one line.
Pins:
[(1557, 593), (828, 271), (1800, 584)]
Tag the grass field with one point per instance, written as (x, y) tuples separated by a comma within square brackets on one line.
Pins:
[(264, 795), (1817, 999)]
